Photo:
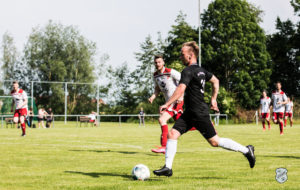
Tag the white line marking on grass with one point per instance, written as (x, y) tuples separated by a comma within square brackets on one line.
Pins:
[(78, 146)]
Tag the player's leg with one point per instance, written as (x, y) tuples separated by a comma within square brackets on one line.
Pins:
[(285, 118), (268, 121), (23, 126), (181, 126), (43, 125), (16, 121), (274, 118), (16, 118), (263, 116), (291, 119), (163, 119), (206, 128), (280, 121)]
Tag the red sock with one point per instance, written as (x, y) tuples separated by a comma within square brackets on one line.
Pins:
[(281, 126), (264, 125), (285, 122), (164, 135), (23, 126)]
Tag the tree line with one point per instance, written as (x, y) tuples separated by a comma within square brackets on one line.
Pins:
[(234, 47)]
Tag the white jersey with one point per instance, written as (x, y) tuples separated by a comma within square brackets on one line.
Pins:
[(278, 97), (167, 81), (288, 107), (92, 117), (265, 104), (19, 97)]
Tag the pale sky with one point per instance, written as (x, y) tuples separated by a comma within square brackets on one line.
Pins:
[(117, 26)]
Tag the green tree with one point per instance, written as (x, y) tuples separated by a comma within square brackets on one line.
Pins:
[(180, 33), (9, 56), (143, 75), (60, 53), (122, 94), (234, 49), (296, 6), (283, 47)]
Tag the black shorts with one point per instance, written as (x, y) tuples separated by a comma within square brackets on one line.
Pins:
[(202, 124), (40, 119)]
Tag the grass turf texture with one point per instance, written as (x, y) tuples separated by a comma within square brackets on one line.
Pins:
[(66, 157)]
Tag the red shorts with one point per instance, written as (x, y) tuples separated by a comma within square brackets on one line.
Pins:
[(277, 115), (92, 121), (289, 115), (264, 115), (175, 110), (20, 112)]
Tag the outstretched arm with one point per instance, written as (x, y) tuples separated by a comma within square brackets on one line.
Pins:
[(215, 90), (179, 92), (154, 95)]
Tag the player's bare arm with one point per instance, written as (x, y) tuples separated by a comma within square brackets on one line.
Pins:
[(215, 86), (154, 95), (179, 92)]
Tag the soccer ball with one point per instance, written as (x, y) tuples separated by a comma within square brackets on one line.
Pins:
[(140, 172)]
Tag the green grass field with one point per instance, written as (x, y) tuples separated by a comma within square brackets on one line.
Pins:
[(66, 157)]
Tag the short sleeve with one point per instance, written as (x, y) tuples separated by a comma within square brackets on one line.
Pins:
[(24, 95), (175, 75), (208, 75), (186, 76), (284, 97)]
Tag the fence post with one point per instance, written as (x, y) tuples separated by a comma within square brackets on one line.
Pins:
[(2, 122), (32, 95), (119, 121), (256, 117), (66, 96), (77, 121)]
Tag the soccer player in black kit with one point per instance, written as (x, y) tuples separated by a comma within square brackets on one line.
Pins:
[(196, 112)]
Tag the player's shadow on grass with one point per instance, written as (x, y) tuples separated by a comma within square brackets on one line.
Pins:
[(114, 151), (100, 174), (291, 157)]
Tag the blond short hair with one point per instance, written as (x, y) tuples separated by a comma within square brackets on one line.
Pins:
[(193, 47)]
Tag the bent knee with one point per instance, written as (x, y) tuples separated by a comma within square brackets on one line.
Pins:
[(173, 134), (162, 121), (214, 143)]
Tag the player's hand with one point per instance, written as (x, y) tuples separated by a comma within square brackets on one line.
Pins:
[(162, 108), (179, 101), (150, 100), (214, 106)]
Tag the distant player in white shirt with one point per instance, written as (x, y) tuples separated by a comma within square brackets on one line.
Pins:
[(264, 109), (166, 80), (20, 101), (289, 111), (279, 99)]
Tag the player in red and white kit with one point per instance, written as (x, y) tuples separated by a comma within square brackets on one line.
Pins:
[(289, 111), (265, 102), (279, 99), (166, 80), (20, 101)]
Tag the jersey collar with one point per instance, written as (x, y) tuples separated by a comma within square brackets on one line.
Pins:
[(164, 68)]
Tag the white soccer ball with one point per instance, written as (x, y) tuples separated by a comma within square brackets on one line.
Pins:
[(140, 172)]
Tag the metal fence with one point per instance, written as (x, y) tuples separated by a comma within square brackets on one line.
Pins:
[(76, 118)]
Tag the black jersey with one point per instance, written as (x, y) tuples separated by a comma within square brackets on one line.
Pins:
[(194, 77)]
